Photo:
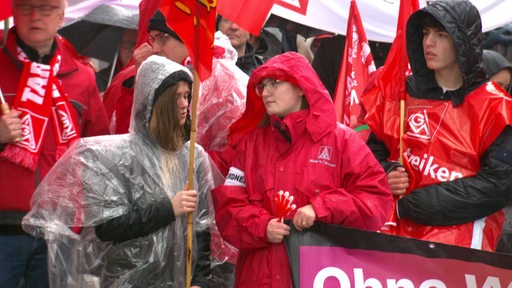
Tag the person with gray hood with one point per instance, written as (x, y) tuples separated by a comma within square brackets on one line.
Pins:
[(455, 178), (114, 209), (498, 68)]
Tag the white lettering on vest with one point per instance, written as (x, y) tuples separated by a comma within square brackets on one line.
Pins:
[(427, 166)]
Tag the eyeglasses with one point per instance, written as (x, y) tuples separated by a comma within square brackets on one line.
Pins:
[(44, 9), (269, 86), (159, 39)]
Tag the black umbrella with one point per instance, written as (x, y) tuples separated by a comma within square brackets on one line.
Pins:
[(98, 33), (293, 27)]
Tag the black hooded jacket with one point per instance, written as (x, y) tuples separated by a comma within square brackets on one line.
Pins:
[(250, 60), (466, 199)]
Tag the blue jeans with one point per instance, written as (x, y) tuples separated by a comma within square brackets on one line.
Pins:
[(23, 257)]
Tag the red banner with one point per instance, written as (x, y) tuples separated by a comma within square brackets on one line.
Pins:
[(356, 66), (248, 14), (194, 22)]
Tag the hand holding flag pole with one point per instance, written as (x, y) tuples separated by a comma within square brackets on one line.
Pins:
[(393, 81)]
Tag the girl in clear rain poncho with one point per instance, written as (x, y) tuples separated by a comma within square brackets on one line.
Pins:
[(113, 210)]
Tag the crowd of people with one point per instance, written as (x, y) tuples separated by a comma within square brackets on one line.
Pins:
[(99, 190)]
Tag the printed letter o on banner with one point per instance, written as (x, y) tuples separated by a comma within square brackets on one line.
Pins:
[(331, 272)]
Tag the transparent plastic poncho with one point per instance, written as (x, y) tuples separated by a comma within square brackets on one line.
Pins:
[(104, 177), (222, 96), (221, 102)]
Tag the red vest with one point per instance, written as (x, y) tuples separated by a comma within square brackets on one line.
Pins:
[(442, 143)]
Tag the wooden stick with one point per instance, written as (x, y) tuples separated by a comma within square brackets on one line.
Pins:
[(190, 218), (402, 130), (6, 31), (5, 107)]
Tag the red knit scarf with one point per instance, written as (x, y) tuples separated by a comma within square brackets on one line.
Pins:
[(40, 97)]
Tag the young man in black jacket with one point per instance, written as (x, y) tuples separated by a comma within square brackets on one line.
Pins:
[(457, 146)]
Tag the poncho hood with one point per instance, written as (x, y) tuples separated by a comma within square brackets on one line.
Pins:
[(154, 75)]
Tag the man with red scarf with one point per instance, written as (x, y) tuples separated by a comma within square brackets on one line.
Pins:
[(457, 144), (53, 101)]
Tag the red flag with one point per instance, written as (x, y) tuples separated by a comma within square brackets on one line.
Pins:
[(5, 10), (194, 22), (248, 14), (392, 103), (391, 86), (146, 9), (396, 67), (356, 66)]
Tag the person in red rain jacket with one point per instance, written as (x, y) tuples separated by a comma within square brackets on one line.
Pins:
[(298, 147)]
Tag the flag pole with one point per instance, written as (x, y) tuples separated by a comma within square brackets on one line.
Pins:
[(6, 31), (402, 114), (4, 106), (402, 130), (190, 218), (201, 15), (193, 130)]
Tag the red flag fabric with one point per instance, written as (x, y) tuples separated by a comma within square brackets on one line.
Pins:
[(5, 9), (146, 9), (194, 22), (248, 14), (396, 67), (356, 67), (385, 123), (391, 85)]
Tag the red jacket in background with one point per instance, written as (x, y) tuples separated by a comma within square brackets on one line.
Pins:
[(118, 100)]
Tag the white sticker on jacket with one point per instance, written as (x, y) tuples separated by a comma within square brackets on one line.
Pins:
[(235, 177)]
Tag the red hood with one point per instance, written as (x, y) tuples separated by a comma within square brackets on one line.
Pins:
[(294, 68)]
